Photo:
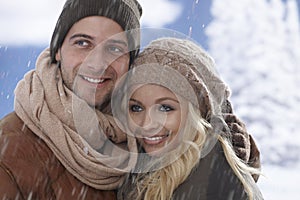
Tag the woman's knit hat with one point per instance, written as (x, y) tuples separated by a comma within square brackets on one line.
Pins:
[(126, 13), (186, 69)]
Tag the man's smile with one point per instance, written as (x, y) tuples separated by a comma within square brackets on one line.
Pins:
[(94, 80)]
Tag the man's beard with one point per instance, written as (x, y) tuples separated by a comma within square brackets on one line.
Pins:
[(104, 106)]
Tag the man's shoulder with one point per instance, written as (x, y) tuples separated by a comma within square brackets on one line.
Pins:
[(14, 135), (26, 161), (24, 156), (19, 144), (10, 123), (14, 132)]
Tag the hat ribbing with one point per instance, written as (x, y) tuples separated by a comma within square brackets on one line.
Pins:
[(126, 13)]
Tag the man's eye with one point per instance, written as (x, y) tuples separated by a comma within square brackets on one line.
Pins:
[(165, 108), (82, 43), (115, 49), (135, 108)]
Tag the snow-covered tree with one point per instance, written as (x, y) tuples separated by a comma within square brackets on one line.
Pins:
[(256, 45)]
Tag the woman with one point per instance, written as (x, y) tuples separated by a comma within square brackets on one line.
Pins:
[(174, 100)]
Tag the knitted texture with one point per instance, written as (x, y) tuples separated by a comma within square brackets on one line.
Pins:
[(70, 128), (193, 66), (126, 13)]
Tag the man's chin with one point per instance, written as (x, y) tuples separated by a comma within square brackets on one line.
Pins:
[(103, 106), (92, 102), (95, 104), (100, 103)]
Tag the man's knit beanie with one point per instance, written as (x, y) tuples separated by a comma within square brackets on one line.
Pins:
[(126, 13)]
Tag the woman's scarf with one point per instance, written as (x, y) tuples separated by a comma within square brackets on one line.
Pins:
[(70, 128)]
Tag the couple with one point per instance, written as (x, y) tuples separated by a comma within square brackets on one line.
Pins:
[(52, 147)]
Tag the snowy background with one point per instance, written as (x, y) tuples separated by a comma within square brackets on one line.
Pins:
[(255, 43)]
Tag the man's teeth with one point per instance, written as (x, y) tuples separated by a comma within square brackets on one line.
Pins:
[(92, 80)]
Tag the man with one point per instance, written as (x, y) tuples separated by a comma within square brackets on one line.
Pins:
[(43, 143), (42, 155)]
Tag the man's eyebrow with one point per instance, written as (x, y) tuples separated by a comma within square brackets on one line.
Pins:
[(116, 41), (81, 35)]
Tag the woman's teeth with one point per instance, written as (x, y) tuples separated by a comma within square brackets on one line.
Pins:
[(154, 138), (92, 80)]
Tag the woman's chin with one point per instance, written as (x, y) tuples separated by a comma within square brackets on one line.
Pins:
[(158, 151)]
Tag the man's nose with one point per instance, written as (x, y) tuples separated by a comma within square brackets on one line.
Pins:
[(97, 61)]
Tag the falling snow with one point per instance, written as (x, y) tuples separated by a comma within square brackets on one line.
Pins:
[(256, 47), (255, 44)]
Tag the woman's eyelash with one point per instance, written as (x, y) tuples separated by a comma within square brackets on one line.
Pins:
[(136, 108), (166, 108)]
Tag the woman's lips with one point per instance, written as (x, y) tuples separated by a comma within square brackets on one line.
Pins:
[(156, 139)]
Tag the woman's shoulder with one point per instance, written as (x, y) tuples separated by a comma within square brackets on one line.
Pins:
[(212, 178)]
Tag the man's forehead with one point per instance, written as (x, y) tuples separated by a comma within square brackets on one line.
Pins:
[(98, 25)]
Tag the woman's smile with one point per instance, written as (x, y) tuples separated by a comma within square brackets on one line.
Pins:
[(157, 139), (155, 117)]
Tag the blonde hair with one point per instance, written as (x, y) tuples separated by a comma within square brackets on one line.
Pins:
[(161, 184), (239, 167)]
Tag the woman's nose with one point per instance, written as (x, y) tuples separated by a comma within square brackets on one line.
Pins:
[(153, 121)]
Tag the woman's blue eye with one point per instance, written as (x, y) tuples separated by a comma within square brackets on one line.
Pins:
[(165, 108), (136, 108)]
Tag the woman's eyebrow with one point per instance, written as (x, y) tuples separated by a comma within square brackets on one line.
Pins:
[(168, 98), (134, 100)]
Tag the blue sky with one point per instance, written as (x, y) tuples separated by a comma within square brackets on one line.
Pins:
[(31, 22)]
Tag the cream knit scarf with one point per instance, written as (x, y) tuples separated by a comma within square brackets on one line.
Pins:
[(71, 130)]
